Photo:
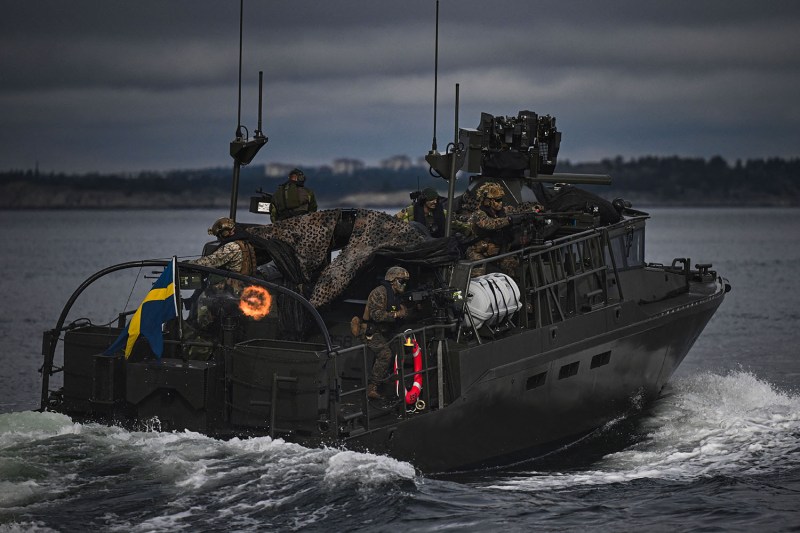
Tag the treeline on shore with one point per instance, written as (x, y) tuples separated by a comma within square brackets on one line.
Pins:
[(645, 181)]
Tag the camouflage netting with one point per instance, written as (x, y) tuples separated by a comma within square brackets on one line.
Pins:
[(372, 231), (311, 236)]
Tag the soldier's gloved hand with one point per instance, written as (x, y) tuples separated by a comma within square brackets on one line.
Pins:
[(402, 312)]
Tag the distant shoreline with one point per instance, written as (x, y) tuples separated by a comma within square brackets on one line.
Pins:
[(647, 181), (326, 204)]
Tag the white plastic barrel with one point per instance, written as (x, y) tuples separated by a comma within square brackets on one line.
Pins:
[(491, 299)]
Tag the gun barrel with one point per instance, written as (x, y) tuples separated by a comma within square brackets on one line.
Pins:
[(585, 179)]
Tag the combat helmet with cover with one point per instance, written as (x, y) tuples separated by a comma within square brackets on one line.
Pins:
[(490, 190), (220, 225), (395, 273)]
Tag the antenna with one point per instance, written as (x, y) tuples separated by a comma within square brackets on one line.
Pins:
[(244, 149), (239, 104), (435, 78), (258, 132), (456, 160)]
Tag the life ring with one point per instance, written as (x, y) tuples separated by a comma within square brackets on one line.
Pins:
[(412, 394)]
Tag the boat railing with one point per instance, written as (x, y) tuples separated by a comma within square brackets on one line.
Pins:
[(52, 337), (557, 279), (353, 413)]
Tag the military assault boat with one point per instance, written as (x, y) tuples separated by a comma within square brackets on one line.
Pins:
[(578, 331)]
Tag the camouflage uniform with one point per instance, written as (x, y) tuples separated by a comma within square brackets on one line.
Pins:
[(467, 205), (380, 315), (488, 223), (236, 256)]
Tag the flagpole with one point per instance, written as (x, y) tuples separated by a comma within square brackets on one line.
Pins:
[(176, 281)]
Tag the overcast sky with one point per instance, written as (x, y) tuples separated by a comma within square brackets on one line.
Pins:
[(152, 85)]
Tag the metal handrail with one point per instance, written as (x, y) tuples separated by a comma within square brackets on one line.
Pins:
[(48, 350), (426, 333)]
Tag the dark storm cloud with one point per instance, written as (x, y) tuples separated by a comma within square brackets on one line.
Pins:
[(134, 85)]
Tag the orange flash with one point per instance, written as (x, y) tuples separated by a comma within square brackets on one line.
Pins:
[(255, 302)]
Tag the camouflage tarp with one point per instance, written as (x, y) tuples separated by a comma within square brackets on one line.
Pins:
[(372, 230), (311, 237)]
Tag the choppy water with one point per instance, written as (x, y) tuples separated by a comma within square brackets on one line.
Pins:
[(720, 451)]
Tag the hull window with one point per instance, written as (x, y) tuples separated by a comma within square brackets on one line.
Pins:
[(568, 370), (536, 381), (600, 359)]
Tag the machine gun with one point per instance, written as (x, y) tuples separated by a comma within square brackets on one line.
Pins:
[(447, 294), (530, 228), (444, 301)]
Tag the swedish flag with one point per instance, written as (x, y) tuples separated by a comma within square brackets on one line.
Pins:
[(160, 305)]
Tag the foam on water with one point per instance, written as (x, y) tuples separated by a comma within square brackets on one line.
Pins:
[(22, 480), (707, 426), (30, 425), (710, 425), (47, 459), (366, 469)]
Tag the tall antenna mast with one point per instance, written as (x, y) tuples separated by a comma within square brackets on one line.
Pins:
[(239, 102), (244, 149), (435, 78), (442, 165)]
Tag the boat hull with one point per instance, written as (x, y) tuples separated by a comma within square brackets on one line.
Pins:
[(532, 406)]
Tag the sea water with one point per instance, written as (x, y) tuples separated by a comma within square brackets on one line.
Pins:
[(719, 451)]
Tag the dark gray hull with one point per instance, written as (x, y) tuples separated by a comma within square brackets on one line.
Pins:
[(510, 411)]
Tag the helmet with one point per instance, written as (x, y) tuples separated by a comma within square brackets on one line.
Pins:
[(220, 225), (429, 193), (397, 272), (297, 172), (490, 190)]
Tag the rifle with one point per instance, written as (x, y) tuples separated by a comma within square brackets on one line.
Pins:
[(529, 228), (526, 216)]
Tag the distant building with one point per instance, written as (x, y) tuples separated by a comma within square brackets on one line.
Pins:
[(347, 166), (277, 170), (397, 162)]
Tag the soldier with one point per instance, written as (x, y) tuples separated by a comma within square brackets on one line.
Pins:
[(236, 255), (292, 198), (382, 311), (488, 223), (428, 211)]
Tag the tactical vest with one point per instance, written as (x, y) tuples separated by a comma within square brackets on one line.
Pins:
[(291, 200), (248, 258), (248, 267), (435, 222), (393, 303)]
